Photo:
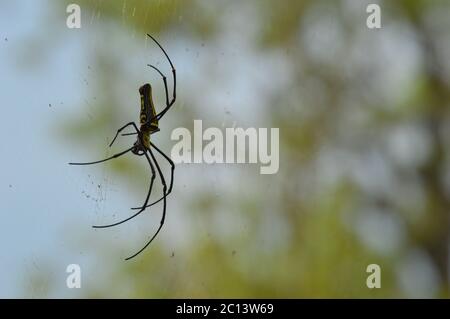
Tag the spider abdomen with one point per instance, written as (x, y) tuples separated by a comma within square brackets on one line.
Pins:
[(147, 116)]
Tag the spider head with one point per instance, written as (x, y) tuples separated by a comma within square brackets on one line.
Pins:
[(137, 148)]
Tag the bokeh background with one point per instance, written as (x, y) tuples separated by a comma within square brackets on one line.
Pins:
[(364, 173)]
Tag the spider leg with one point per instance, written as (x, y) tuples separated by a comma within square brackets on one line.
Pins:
[(174, 74), (121, 129), (164, 80), (145, 203), (106, 159), (164, 205), (171, 176)]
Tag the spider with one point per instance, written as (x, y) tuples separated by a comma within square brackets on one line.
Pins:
[(149, 124)]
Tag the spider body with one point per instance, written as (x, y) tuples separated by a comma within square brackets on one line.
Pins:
[(149, 124), (147, 127), (148, 111)]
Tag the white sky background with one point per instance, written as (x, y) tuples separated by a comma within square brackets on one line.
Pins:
[(36, 186)]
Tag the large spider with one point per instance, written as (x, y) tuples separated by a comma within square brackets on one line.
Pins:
[(143, 146)]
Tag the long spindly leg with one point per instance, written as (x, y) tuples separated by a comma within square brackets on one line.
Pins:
[(121, 129), (106, 159), (164, 80), (164, 204), (174, 74), (171, 176), (145, 203)]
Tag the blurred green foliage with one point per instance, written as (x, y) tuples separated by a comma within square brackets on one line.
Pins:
[(329, 103)]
